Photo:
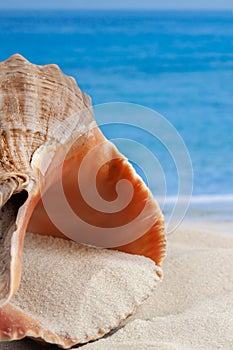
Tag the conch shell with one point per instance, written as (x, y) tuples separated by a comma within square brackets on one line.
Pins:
[(35, 104)]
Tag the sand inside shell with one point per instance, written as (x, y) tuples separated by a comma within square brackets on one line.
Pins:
[(81, 292)]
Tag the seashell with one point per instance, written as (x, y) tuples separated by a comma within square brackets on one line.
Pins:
[(44, 117), (99, 286)]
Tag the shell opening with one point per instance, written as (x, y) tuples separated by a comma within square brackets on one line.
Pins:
[(8, 217)]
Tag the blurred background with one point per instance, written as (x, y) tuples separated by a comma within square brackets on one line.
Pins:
[(173, 57)]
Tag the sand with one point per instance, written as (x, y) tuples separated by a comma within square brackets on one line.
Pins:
[(77, 293), (191, 309)]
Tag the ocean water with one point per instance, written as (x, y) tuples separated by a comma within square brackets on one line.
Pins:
[(177, 63)]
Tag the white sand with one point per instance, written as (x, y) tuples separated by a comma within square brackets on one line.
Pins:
[(80, 292), (192, 308)]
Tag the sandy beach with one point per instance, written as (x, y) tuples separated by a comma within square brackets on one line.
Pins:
[(191, 308), (155, 79)]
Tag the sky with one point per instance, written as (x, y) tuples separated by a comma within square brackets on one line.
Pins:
[(120, 4)]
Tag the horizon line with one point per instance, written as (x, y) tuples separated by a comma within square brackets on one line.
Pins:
[(117, 9)]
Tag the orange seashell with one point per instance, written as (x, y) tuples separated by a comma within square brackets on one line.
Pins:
[(35, 103)]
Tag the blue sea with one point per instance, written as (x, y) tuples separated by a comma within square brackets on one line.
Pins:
[(179, 63)]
